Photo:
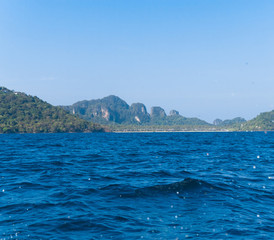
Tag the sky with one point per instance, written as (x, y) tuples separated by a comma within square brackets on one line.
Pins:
[(205, 58)]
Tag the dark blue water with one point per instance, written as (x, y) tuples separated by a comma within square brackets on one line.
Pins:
[(137, 186)]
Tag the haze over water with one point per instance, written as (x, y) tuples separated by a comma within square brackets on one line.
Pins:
[(137, 186)]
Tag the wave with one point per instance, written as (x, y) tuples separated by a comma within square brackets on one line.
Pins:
[(188, 184)]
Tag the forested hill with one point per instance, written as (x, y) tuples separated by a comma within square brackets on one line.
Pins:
[(114, 110), (263, 122), (21, 113)]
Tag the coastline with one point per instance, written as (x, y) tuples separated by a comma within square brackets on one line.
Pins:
[(160, 131), (228, 131)]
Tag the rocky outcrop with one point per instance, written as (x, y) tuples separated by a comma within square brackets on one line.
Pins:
[(114, 110), (174, 113), (108, 109), (217, 122), (139, 113), (227, 122), (157, 112)]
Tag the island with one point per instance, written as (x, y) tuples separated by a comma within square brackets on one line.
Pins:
[(22, 113)]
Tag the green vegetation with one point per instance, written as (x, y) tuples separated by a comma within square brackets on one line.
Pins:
[(235, 122), (119, 116), (178, 120), (107, 110), (21, 113), (113, 111), (263, 122)]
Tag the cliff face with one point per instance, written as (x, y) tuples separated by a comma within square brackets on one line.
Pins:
[(111, 109), (139, 113), (108, 109), (219, 122), (114, 110), (157, 112), (174, 113)]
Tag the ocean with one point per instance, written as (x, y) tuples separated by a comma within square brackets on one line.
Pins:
[(137, 186)]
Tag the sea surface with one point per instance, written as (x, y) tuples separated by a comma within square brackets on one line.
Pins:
[(137, 186)]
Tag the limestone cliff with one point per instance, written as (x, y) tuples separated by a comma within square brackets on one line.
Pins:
[(108, 109), (174, 113), (157, 112), (139, 113), (114, 110)]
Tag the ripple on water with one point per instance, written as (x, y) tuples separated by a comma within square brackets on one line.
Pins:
[(134, 186)]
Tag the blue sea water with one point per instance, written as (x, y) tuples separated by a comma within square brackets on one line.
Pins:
[(137, 186)]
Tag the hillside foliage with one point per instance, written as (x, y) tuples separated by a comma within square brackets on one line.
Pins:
[(263, 122), (119, 116), (21, 113), (113, 110)]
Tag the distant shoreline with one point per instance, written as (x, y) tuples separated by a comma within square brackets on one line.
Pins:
[(266, 131), (188, 131)]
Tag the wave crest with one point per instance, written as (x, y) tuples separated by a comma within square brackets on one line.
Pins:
[(188, 184)]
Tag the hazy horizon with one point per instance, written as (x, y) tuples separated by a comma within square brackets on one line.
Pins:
[(206, 59), (148, 108)]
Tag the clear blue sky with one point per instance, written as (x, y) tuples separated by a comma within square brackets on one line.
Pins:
[(205, 58)]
